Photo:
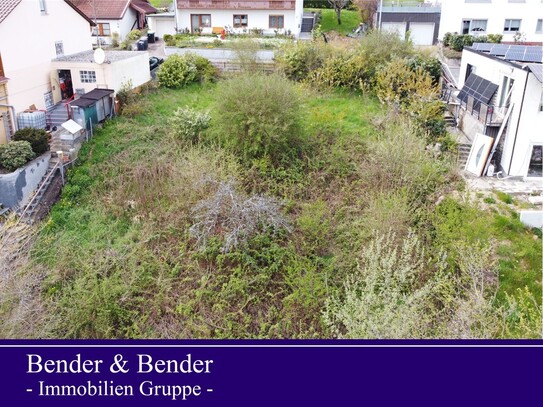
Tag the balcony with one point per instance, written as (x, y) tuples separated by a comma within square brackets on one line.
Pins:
[(487, 114), (410, 7), (236, 5)]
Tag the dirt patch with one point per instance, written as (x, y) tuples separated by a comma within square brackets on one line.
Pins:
[(49, 198)]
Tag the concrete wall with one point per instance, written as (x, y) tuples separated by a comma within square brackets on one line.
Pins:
[(256, 19), (27, 45), (495, 12), (16, 188), (526, 119)]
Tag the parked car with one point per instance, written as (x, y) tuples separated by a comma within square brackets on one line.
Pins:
[(154, 62)]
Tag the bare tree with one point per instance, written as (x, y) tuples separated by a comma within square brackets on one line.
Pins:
[(338, 5), (368, 9)]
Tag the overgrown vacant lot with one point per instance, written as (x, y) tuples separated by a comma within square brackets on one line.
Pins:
[(257, 207)]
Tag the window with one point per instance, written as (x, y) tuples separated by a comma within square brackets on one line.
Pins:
[(469, 70), (507, 85), (534, 168), (511, 26), (1, 67), (473, 26), (240, 20), (59, 48), (102, 29), (277, 21), (43, 9), (539, 26), (87, 76)]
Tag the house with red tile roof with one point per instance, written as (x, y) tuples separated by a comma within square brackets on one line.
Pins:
[(34, 32), (114, 16)]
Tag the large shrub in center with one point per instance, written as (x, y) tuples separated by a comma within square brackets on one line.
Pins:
[(258, 115), (178, 71)]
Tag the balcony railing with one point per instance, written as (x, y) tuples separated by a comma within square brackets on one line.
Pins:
[(489, 115), (397, 6), (236, 5)]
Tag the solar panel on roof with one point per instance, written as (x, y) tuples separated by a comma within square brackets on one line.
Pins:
[(499, 49), (482, 46)]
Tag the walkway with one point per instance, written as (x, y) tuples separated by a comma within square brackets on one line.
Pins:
[(217, 54)]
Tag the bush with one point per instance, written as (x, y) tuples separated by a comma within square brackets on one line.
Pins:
[(36, 137), (206, 71), (411, 89), (430, 65), (134, 35), (387, 296), (235, 217), (115, 39), (380, 47), (297, 60), (344, 70), (169, 40), (16, 154), (447, 39), (258, 115), (495, 38), (178, 71), (187, 124)]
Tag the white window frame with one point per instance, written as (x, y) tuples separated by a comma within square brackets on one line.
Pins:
[(87, 76), (59, 48), (472, 26), (528, 158), (43, 6), (507, 25), (241, 24)]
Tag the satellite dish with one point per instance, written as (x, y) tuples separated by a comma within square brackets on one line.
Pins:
[(99, 56)]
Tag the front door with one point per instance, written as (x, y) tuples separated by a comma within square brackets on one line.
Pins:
[(199, 21)]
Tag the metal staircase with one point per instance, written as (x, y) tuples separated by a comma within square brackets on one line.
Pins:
[(27, 212)]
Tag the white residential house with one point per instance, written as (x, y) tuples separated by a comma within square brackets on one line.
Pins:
[(114, 16), (32, 33), (508, 17), (495, 80), (270, 16)]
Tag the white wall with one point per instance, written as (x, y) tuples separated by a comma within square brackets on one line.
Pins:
[(529, 121), (27, 45), (495, 12), (256, 19), (135, 69), (122, 26), (162, 24), (128, 20), (110, 76)]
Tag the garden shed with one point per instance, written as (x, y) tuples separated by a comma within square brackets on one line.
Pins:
[(92, 107)]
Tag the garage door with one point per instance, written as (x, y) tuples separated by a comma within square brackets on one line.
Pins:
[(398, 28), (422, 33)]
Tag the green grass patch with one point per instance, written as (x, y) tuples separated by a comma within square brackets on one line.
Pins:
[(349, 20)]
